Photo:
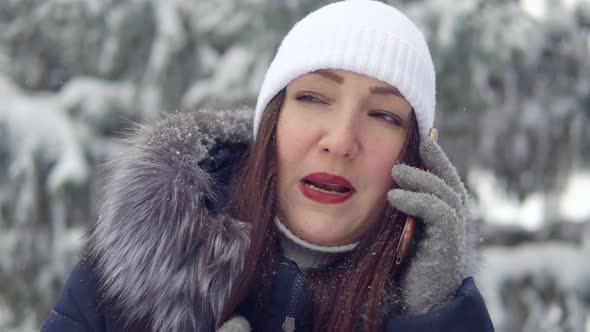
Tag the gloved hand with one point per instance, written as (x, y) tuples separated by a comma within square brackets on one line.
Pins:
[(437, 198)]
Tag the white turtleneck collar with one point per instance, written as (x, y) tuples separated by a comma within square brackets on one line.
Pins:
[(308, 255)]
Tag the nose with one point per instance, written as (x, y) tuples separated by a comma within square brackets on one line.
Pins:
[(341, 136)]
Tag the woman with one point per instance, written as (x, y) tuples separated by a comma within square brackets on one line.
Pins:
[(303, 227)]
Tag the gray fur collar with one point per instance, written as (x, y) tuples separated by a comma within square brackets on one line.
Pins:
[(154, 237), (160, 258)]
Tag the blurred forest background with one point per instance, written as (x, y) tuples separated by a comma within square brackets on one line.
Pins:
[(513, 107)]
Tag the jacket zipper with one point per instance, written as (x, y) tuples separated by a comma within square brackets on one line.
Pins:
[(289, 323)]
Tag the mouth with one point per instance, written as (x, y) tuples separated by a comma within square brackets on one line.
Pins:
[(326, 188)]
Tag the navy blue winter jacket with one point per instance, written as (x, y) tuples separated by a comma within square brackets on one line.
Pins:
[(77, 308)]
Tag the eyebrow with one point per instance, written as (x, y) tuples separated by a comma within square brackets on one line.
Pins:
[(329, 75), (385, 90), (379, 90)]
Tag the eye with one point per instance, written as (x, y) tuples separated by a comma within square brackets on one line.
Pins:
[(386, 116), (309, 97)]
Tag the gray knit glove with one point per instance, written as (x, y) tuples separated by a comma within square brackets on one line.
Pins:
[(437, 197)]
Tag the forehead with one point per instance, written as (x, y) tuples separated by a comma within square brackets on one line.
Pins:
[(341, 77)]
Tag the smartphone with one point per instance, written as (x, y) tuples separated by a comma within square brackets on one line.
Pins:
[(410, 225)]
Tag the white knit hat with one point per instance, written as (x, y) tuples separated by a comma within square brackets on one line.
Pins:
[(363, 36)]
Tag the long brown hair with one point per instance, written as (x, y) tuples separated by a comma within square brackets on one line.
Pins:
[(356, 284)]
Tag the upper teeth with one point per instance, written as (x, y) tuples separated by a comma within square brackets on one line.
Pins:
[(323, 190)]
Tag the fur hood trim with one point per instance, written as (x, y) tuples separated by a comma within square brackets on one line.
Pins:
[(161, 259)]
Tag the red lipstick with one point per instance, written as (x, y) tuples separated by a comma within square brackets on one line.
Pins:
[(326, 188)]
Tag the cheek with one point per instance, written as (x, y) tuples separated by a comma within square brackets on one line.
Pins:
[(290, 142), (294, 141), (381, 158)]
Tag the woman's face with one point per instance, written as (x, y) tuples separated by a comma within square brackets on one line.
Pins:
[(338, 135)]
